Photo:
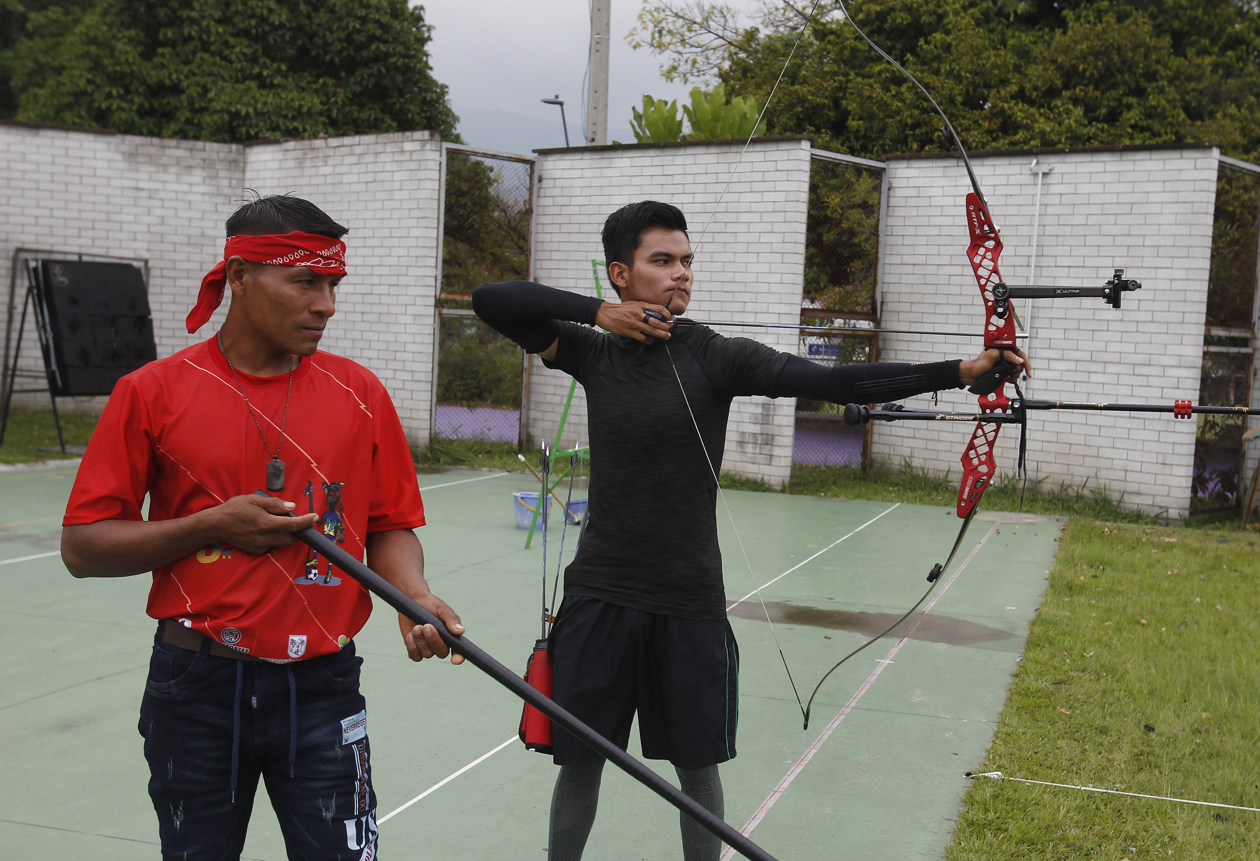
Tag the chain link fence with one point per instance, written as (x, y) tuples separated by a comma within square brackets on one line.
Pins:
[(841, 262), (487, 210), (1228, 359)]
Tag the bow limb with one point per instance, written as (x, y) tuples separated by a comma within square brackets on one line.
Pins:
[(687, 401), (978, 460)]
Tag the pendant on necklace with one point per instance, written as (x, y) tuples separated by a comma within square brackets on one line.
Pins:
[(275, 475)]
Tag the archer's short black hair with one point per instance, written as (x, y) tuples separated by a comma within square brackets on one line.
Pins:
[(282, 213), (623, 230)]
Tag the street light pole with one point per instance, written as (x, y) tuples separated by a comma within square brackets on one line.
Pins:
[(597, 80), (559, 101)]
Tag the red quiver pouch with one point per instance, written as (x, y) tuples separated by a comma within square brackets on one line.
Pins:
[(535, 726)]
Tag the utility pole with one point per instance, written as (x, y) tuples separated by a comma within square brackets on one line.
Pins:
[(597, 89)]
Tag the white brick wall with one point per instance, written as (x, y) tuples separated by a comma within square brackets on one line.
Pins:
[(750, 260), (165, 201), (1149, 212)]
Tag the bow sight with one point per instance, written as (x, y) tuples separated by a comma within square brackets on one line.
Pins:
[(1112, 291)]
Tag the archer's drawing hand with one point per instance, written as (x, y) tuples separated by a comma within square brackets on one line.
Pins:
[(971, 370), (628, 319), (424, 641), (257, 524)]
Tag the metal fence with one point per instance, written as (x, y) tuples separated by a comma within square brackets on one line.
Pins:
[(487, 209), (841, 263), (1228, 357)]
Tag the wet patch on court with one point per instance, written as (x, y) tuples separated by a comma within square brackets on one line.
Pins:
[(932, 629)]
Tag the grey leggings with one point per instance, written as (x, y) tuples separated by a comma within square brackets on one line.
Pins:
[(576, 798)]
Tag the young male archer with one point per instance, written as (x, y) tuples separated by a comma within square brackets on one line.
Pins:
[(643, 624)]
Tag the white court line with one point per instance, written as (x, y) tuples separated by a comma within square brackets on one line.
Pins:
[(431, 487), (810, 559), (1000, 776), (435, 787), (29, 558), (466, 480), (774, 796)]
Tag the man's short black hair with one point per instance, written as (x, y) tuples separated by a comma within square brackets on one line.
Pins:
[(281, 213), (623, 231)]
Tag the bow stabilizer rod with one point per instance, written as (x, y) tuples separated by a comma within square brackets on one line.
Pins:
[(483, 661), (857, 414)]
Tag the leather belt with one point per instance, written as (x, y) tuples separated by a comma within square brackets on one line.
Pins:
[(175, 634)]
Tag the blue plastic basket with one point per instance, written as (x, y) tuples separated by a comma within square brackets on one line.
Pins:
[(525, 503)]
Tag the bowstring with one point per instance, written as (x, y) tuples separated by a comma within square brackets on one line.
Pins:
[(731, 517), (954, 138), (682, 389), (731, 176)]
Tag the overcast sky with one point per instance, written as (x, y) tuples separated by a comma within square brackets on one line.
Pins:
[(506, 55)]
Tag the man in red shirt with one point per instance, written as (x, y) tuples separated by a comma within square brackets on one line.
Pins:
[(254, 671)]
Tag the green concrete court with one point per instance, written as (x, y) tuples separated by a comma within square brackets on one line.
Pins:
[(885, 782)]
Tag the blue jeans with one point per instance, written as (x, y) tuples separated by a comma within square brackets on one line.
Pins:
[(212, 726)]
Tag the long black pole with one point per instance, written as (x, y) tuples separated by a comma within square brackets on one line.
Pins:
[(501, 674)]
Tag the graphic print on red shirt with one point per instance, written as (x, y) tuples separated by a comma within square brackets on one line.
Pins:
[(178, 430)]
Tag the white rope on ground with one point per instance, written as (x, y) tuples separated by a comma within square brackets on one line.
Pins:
[(435, 787), (881, 665), (466, 480), (997, 775), (810, 559), (29, 558)]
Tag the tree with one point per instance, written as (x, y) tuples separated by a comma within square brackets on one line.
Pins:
[(486, 223), (1010, 73), (14, 16), (711, 117), (232, 70)]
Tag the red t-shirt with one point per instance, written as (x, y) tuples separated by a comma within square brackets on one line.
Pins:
[(179, 431)]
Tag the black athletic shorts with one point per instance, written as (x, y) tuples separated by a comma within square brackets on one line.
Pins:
[(680, 675)]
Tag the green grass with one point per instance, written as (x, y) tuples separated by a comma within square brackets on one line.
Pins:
[(28, 431), (1140, 674)]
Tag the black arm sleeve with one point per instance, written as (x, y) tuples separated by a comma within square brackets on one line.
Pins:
[(863, 384), (526, 312)]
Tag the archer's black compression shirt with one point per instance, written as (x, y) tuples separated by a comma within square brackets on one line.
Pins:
[(650, 541)]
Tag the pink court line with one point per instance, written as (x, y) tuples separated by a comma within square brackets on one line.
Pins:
[(779, 790)]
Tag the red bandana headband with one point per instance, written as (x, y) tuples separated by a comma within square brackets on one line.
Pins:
[(320, 254)]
